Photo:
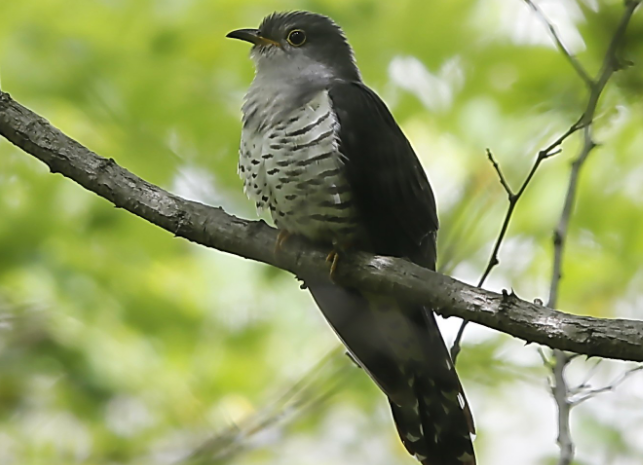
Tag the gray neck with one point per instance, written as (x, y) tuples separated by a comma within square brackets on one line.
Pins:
[(280, 86)]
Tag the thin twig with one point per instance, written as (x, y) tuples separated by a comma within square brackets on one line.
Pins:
[(591, 393), (610, 64), (503, 181), (544, 154), (588, 376), (580, 70)]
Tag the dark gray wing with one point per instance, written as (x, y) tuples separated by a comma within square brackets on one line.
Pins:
[(388, 183)]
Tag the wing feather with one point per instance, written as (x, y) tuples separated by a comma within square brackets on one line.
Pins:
[(388, 182)]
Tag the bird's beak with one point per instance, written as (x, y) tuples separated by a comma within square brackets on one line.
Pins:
[(251, 35)]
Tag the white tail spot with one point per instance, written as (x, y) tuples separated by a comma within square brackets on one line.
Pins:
[(416, 407)]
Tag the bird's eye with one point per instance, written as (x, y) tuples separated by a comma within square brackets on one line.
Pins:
[(296, 37)]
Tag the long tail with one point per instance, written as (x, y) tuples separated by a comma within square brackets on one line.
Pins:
[(401, 348), (433, 430), (437, 427)]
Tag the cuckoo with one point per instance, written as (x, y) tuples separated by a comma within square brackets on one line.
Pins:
[(322, 152)]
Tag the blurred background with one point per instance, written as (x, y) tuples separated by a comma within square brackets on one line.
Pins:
[(120, 344)]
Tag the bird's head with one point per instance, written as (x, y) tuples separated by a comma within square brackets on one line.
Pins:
[(300, 44)]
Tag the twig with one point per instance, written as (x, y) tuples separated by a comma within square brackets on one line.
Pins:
[(567, 398), (551, 150), (544, 154), (503, 181), (588, 376), (610, 64), (580, 70), (591, 393)]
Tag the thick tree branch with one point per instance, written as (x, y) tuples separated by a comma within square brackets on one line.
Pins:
[(212, 227)]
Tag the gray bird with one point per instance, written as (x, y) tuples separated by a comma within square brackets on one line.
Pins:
[(323, 153)]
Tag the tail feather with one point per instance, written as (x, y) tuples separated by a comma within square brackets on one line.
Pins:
[(441, 411), (431, 429), (401, 348)]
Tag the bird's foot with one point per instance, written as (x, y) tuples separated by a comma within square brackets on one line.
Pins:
[(333, 259), (333, 255), (282, 237)]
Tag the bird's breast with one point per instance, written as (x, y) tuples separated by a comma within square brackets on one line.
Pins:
[(294, 168)]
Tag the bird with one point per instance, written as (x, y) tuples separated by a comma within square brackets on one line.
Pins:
[(324, 155)]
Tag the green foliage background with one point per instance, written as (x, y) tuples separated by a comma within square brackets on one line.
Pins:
[(120, 344)]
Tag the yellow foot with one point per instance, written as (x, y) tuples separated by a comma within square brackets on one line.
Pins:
[(333, 259), (282, 237)]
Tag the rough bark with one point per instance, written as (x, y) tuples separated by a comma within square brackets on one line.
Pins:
[(212, 227)]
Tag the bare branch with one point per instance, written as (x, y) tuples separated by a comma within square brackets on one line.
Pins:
[(561, 396), (588, 376), (566, 398), (212, 227), (503, 181), (544, 154), (591, 393), (456, 347), (559, 43), (610, 64), (584, 122)]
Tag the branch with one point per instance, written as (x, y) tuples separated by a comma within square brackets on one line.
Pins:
[(582, 393), (212, 227), (559, 43), (560, 392), (610, 65), (544, 154), (567, 398)]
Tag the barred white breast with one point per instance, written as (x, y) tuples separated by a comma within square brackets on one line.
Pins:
[(295, 169)]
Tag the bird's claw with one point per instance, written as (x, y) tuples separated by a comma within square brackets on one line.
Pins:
[(282, 237), (333, 259)]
